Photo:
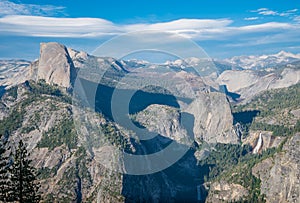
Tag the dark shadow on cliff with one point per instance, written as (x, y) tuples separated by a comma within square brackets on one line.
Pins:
[(181, 182), (2, 91), (178, 183), (245, 117), (139, 101), (234, 96)]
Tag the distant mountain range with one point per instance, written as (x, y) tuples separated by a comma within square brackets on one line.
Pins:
[(251, 62), (263, 61)]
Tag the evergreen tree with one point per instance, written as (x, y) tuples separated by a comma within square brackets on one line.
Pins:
[(4, 175), (23, 177)]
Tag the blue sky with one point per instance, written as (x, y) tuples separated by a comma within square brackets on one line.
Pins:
[(222, 28)]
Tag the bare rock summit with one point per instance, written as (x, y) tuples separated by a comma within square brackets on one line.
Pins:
[(55, 65)]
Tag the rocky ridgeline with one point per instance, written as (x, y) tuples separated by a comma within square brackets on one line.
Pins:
[(248, 83)]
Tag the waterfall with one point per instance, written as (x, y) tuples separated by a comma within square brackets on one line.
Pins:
[(258, 145)]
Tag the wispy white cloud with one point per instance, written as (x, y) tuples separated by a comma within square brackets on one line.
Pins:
[(292, 11), (57, 27), (251, 18), (297, 19), (183, 24), (294, 47), (260, 9), (189, 28), (269, 12), (11, 8), (266, 27)]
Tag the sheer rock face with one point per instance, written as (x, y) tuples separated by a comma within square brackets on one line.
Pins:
[(268, 140), (280, 175), (54, 65), (213, 119)]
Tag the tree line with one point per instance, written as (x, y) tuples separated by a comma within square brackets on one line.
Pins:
[(18, 181)]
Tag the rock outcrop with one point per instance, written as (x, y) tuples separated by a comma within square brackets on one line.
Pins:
[(268, 140), (213, 119), (226, 192), (280, 175), (163, 120), (54, 65)]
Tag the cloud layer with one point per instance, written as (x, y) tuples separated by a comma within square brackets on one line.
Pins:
[(199, 29)]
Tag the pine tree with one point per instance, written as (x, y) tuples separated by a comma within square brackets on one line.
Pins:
[(23, 177), (4, 175)]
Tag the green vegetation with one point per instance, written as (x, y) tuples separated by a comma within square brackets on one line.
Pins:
[(272, 101), (226, 157), (271, 104), (4, 175), (76, 175), (46, 172), (223, 158), (17, 177), (42, 88), (23, 186), (49, 198), (36, 91), (278, 130), (11, 123), (67, 181), (63, 133), (233, 163), (82, 165), (113, 135)]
